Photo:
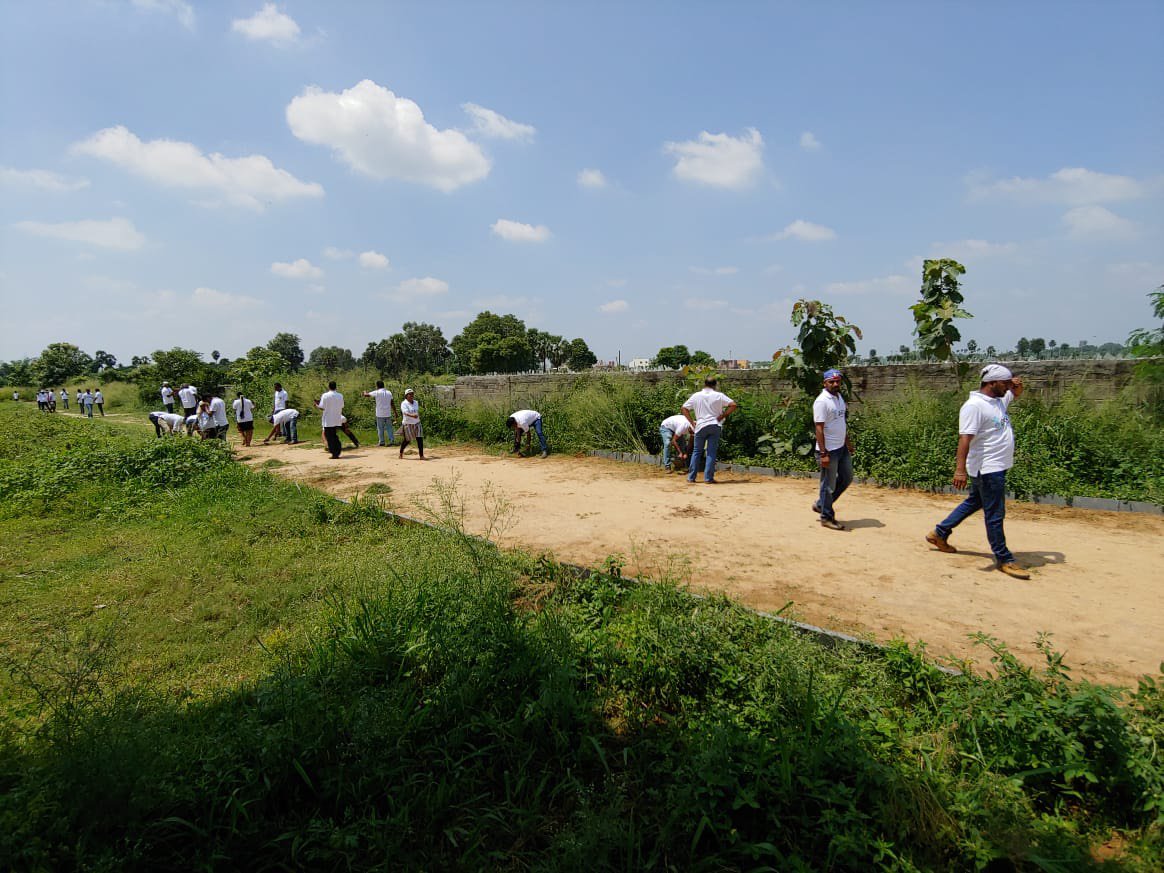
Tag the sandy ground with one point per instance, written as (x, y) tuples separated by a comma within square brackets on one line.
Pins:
[(1096, 576)]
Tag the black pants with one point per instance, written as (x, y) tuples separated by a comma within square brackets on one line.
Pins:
[(169, 408), (157, 426), (332, 439)]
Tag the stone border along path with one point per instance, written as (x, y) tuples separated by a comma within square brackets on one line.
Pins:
[(1102, 503)]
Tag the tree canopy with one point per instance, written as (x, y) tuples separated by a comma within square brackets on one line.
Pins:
[(288, 348)]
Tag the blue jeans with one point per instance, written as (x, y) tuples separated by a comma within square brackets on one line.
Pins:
[(291, 430), (537, 428), (705, 449), (89, 410), (988, 493), (834, 479), (666, 435), (384, 433)]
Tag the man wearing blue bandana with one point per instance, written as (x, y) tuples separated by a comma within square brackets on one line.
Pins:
[(834, 449), (985, 453)]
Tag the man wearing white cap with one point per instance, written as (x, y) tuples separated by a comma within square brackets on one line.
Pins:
[(985, 453)]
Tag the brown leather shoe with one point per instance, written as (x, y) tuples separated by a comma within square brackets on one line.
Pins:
[(1014, 571), (832, 524), (939, 542)]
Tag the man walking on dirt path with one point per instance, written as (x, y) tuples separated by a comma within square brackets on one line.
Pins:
[(384, 416), (65, 399), (834, 449), (410, 428), (87, 403), (673, 429), (985, 453), (707, 410), (529, 422), (99, 399), (285, 423), (332, 404)]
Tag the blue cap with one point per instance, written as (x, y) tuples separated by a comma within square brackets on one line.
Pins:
[(832, 374)]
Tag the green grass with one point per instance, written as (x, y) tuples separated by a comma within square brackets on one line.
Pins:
[(207, 667)]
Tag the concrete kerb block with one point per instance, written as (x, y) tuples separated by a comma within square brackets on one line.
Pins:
[(1049, 499), (1104, 503), (1141, 506), (761, 471)]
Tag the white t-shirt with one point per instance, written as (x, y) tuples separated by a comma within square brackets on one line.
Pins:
[(409, 412), (986, 420), (218, 411), (244, 409), (829, 410), (285, 415), (171, 420), (98, 397), (707, 405), (332, 404), (525, 418), (64, 394), (167, 394), (191, 420), (677, 424), (87, 399), (188, 396), (280, 400), (383, 402)]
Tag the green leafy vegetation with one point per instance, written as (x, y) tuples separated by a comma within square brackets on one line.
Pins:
[(222, 669)]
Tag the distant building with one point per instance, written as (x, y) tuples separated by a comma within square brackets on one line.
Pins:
[(733, 364), (639, 364)]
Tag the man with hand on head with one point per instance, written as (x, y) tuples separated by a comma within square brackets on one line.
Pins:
[(707, 410), (529, 422), (985, 453), (834, 448)]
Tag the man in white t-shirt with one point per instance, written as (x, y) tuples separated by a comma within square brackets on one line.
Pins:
[(283, 422), (189, 398), (528, 422), (167, 397), (675, 428), (280, 402), (985, 453), (218, 420), (99, 400), (64, 398), (331, 402), (244, 417), (834, 449), (707, 410), (383, 397)]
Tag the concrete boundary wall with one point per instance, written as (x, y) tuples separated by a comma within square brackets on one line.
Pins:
[(1099, 379), (1102, 503)]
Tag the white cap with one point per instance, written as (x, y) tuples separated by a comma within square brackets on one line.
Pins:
[(995, 373), (409, 391)]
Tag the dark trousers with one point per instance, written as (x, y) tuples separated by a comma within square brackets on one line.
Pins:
[(834, 479), (332, 439), (988, 493), (169, 408)]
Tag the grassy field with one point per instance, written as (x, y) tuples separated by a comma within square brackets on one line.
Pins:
[(208, 667)]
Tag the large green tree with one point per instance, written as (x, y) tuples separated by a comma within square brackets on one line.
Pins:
[(253, 374), (543, 345), (700, 358), (60, 362), (331, 359), (492, 344), (581, 358), (672, 357), (824, 339), (288, 348), (425, 348)]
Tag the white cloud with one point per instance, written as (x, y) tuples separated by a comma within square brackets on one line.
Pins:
[(614, 306), (494, 125), (809, 142), (718, 159), (299, 269), (895, 284), (386, 137), (591, 178), (969, 249), (251, 181), (1097, 222), (45, 180), (219, 301), (268, 25), (334, 254), (700, 304), (515, 231), (116, 233), (373, 261), (716, 271), (180, 9), (1071, 186), (411, 289), (805, 231)]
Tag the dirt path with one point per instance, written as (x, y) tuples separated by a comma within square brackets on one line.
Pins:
[(1096, 580)]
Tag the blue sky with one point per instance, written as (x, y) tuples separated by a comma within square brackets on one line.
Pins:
[(638, 174)]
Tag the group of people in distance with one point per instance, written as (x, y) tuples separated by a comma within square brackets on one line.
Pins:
[(985, 452), (46, 400)]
